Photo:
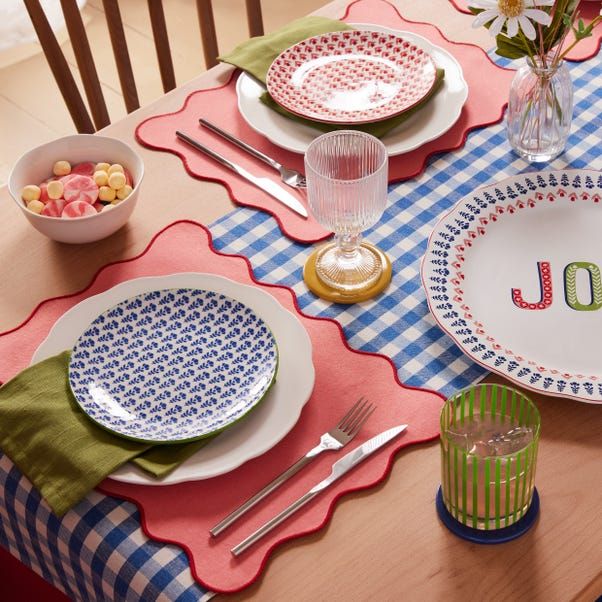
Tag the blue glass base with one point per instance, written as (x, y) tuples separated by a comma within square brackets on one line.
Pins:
[(490, 536)]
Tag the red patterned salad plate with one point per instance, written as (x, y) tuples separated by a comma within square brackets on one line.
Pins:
[(351, 77)]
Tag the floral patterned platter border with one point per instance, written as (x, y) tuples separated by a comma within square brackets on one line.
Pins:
[(512, 274), (351, 77), (173, 365)]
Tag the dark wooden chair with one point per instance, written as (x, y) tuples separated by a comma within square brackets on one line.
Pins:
[(98, 117)]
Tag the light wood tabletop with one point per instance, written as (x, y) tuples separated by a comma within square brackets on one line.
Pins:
[(385, 543)]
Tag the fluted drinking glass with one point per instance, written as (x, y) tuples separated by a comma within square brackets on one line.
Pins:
[(346, 175)]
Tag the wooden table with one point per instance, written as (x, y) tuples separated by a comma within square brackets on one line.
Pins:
[(385, 544)]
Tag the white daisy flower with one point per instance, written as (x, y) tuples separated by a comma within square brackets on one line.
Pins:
[(513, 14)]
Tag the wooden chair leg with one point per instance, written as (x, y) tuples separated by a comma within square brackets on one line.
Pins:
[(208, 35), (122, 57), (60, 68), (85, 63), (157, 16), (254, 17)]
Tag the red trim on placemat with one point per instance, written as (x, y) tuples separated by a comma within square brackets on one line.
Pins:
[(170, 513), (111, 490), (485, 106), (495, 78), (249, 265), (278, 212), (462, 6), (585, 50)]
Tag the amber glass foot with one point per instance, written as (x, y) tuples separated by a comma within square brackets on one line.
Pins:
[(325, 291)]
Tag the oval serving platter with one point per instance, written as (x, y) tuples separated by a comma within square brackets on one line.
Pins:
[(173, 365), (513, 274)]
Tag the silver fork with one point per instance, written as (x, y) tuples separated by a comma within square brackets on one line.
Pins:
[(291, 177), (336, 438)]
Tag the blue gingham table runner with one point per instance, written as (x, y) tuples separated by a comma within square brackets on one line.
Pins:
[(97, 551)]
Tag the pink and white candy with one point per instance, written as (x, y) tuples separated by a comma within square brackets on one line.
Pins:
[(84, 169), (81, 188), (54, 208), (78, 209)]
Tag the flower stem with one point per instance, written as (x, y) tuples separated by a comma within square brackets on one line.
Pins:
[(576, 41), (527, 46)]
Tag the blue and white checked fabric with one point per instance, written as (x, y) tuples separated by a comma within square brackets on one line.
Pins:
[(398, 323), (97, 551)]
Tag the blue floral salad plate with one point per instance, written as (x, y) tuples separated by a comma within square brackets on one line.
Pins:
[(173, 365)]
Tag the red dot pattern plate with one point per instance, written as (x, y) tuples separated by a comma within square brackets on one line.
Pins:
[(351, 77)]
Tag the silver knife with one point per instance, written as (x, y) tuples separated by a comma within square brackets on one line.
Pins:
[(339, 468), (265, 184)]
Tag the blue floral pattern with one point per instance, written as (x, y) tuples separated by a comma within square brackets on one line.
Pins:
[(173, 365)]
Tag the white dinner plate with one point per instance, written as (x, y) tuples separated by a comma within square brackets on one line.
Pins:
[(252, 436), (513, 274), (430, 122)]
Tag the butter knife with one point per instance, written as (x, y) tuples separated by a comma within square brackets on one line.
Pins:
[(339, 468), (267, 185)]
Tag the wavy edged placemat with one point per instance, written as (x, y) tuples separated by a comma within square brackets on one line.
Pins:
[(485, 106), (183, 513), (586, 49)]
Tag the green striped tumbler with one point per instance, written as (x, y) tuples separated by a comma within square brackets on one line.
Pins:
[(489, 439)]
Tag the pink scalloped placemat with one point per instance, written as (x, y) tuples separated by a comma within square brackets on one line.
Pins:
[(183, 513), (586, 48), (485, 106)]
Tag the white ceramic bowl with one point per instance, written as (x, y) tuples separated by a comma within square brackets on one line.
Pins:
[(36, 165)]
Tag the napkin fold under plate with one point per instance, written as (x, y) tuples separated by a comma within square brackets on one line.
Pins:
[(257, 54), (62, 452)]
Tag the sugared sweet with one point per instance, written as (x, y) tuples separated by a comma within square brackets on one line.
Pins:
[(44, 192), (54, 208), (115, 167), (78, 209), (35, 206), (76, 191), (54, 189), (80, 188), (117, 180), (31, 192), (101, 178), (61, 168), (65, 179), (106, 193), (123, 193), (86, 168)]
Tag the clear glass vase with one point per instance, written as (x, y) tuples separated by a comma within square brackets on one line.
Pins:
[(540, 110)]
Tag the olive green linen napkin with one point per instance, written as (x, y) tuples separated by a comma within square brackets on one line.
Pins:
[(257, 54), (62, 452), (377, 128)]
